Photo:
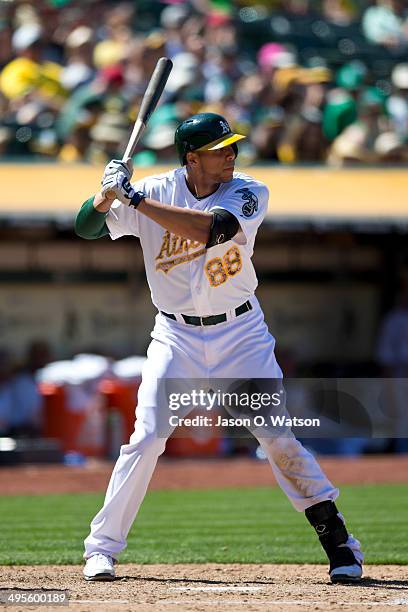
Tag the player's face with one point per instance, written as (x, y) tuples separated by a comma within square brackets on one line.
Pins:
[(217, 166)]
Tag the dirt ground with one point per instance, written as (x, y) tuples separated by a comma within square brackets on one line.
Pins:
[(197, 588)]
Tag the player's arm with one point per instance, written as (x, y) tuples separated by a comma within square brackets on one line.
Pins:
[(204, 227), (207, 228), (90, 222), (193, 224)]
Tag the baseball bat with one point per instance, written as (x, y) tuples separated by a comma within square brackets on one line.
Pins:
[(151, 97)]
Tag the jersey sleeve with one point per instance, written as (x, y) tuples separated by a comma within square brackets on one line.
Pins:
[(249, 204), (123, 220)]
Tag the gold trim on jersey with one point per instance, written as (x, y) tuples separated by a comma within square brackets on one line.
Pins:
[(176, 245)]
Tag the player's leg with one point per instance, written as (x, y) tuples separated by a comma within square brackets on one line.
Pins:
[(249, 353), (300, 476), (129, 480), (137, 461)]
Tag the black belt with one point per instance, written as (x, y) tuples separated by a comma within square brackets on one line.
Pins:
[(213, 319)]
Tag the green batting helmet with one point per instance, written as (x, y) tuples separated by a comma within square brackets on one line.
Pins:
[(204, 132)]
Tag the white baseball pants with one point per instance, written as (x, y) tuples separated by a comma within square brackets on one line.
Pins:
[(241, 347)]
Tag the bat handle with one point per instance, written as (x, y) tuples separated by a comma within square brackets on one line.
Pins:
[(137, 131)]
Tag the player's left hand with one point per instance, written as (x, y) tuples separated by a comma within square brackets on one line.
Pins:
[(117, 165), (118, 184)]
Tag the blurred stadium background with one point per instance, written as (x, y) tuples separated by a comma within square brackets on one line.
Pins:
[(320, 88)]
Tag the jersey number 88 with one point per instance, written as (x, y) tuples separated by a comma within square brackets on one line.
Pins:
[(219, 269)]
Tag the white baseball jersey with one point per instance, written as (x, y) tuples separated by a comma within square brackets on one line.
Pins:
[(185, 277)]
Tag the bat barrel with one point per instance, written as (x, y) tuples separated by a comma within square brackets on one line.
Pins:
[(154, 90)]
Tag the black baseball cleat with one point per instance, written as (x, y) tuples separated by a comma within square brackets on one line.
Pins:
[(344, 567)]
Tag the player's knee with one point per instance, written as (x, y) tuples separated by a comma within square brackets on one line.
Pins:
[(281, 445), (291, 457)]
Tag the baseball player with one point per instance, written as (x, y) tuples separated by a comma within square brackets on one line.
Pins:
[(197, 226)]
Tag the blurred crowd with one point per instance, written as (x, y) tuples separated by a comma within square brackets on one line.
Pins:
[(307, 81)]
